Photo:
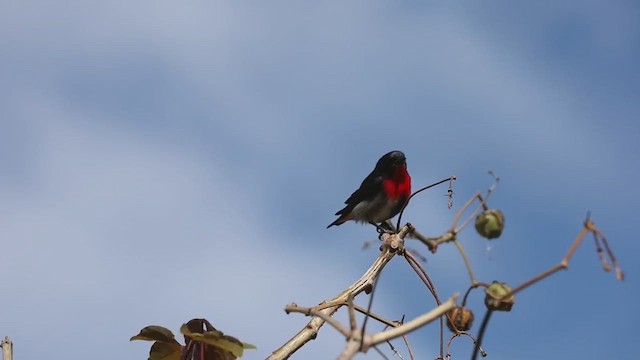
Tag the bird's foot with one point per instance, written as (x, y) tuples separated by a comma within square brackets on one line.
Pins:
[(384, 228)]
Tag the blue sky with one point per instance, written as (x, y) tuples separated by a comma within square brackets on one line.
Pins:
[(163, 161)]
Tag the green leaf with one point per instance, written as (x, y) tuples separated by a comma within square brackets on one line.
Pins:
[(155, 333), (165, 351), (217, 339), (248, 346)]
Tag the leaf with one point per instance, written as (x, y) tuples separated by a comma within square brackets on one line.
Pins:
[(248, 346), (199, 326), (217, 339), (155, 333), (165, 351)]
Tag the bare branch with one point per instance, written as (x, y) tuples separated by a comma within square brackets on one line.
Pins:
[(589, 226), (392, 243), (368, 341), (412, 325)]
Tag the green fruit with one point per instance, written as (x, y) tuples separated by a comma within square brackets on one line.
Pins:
[(495, 297), (490, 223)]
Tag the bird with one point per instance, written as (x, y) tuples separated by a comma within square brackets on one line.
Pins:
[(381, 195)]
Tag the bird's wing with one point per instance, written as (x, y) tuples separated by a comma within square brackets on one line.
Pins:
[(367, 190)]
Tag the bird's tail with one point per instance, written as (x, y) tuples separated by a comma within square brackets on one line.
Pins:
[(336, 223), (344, 217)]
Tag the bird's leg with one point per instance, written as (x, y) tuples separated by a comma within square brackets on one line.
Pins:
[(379, 228), (384, 227), (389, 225)]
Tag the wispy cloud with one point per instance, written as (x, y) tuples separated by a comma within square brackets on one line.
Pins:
[(164, 162)]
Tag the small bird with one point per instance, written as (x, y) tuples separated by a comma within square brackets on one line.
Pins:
[(381, 195)]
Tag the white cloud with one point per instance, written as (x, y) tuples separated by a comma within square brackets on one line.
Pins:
[(117, 222), (111, 226)]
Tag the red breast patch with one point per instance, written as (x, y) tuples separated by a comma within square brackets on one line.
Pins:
[(399, 185)]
